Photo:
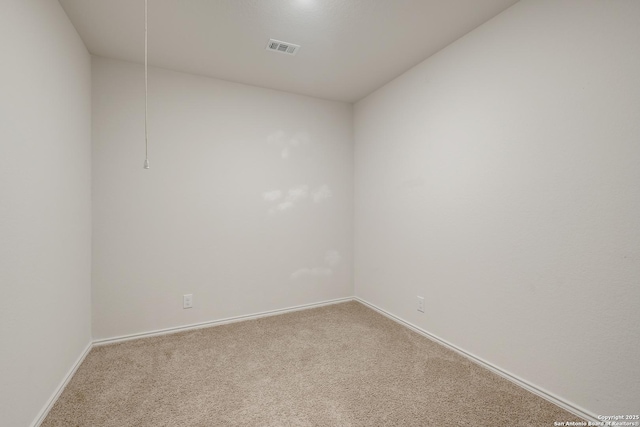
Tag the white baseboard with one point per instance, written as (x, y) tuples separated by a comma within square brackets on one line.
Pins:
[(539, 391), (45, 411), (52, 400), (570, 407), (225, 321)]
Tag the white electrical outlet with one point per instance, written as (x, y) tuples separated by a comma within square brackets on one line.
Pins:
[(187, 301), (421, 304)]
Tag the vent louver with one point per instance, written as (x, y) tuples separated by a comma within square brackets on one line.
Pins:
[(283, 47)]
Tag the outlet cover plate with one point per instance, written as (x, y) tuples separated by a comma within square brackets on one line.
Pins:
[(187, 301)]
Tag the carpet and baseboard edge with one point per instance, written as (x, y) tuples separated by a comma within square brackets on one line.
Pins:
[(538, 391), (58, 391), (572, 408), (218, 322)]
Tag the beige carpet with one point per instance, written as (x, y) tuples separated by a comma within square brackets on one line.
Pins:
[(340, 365)]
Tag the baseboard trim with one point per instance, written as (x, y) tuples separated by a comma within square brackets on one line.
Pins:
[(52, 400), (570, 407), (539, 391), (56, 394), (173, 330)]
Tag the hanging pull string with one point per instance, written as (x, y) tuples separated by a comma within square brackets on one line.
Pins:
[(146, 92)]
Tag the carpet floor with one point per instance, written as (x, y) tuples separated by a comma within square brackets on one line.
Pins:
[(338, 365)]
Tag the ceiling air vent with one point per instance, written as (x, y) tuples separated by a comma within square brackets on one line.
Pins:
[(283, 47)]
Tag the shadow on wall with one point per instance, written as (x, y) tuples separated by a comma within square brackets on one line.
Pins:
[(288, 145), (331, 259), (282, 201)]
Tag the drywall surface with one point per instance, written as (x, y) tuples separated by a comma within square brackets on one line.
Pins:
[(45, 204), (500, 180), (247, 205)]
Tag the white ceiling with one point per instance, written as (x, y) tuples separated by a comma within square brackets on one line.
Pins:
[(349, 47)]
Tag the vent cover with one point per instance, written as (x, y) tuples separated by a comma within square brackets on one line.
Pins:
[(283, 47)]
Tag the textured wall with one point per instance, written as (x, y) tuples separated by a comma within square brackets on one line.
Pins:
[(247, 205), (45, 204), (499, 179)]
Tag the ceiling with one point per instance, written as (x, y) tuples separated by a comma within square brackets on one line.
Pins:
[(349, 47)]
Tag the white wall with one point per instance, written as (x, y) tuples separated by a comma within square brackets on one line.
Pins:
[(499, 179), (45, 204), (201, 220)]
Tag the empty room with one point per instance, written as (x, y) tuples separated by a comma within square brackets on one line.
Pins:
[(319, 213)]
